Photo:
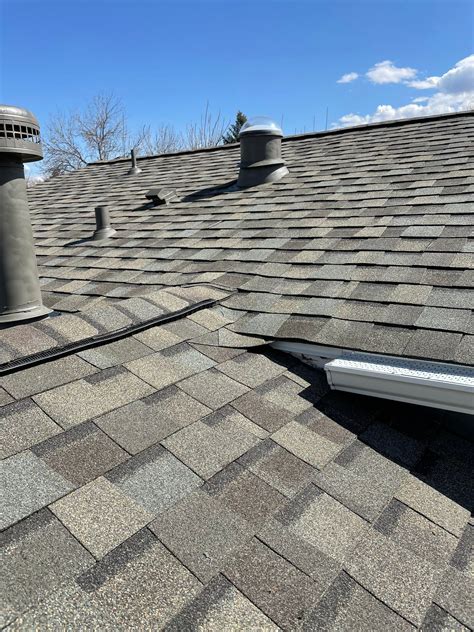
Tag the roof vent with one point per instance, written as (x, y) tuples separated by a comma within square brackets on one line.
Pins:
[(161, 196), (20, 141), (134, 170), (103, 229), (260, 152)]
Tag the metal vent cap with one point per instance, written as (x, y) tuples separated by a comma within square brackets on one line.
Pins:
[(20, 133), (261, 125)]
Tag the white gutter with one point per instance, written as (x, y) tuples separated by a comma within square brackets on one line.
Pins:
[(435, 384)]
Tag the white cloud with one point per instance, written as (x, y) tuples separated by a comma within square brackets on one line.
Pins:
[(455, 92), (347, 78), (387, 72), (459, 79), (424, 84)]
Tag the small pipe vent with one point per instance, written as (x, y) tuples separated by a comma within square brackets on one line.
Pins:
[(260, 152), (134, 170), (103, 229), (20, 141)]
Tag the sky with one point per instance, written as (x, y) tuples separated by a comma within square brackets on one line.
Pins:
[(293, 60)]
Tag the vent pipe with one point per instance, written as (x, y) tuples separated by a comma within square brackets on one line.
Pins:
[(133, 169), (103, 229), (260, 152), (20, 295)]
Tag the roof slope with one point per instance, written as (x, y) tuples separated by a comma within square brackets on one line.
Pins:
[(157, 483), (367, 244)]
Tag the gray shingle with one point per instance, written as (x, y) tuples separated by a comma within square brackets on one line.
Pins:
[(138, 477), (115, 353), (23, 424), (306, 444), (100, 516), (292, 593), (28, 484), (208, 447), (398, 577), (46, 376), (220, 606), (84, 399), (346, 606), (212, 388), (80, 454), (142, 423), (202, 533), (39, 554)]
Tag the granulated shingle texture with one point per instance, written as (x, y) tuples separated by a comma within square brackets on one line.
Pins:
[(187, 476)]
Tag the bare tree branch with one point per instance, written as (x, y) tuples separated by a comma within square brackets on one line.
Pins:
[(207, 133)]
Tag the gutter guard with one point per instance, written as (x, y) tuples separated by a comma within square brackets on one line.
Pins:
[(434, 384), (437, 385)]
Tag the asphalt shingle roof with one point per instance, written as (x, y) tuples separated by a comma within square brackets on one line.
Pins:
[(183, 475), (366, 244)]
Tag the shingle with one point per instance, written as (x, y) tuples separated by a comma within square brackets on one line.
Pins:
[(438, 620), (100, 516), (5, 397), (444, 318), (455, 596), (138, 477), (323, 522), (68, 327), (22, 424), (464, 353), (213, 388), (291, 593), (399, 447), (80, 454), (142, 423), (262, 411), (220, 606), (202, 533), (46, 376), (84, 399), (462, 558), (218, 354), (28, 484), (428, 501), (306, 444), (158, 338), (244, 494), (141, 583), (398, 577), (169, 366), (208, 447), (415, 532), (436, 345), (24, 340), (251, 369), (115, 353), (278, 467), (346, 606), (39, 554)]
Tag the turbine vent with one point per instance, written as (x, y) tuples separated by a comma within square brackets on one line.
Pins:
[(260, 152)]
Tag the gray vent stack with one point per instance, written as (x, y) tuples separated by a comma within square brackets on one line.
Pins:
[(20, 295), (260, 152)]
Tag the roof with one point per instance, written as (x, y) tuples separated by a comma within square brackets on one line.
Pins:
[(163, 467), (366, 244)]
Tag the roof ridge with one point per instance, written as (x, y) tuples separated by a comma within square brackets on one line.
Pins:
[(290, 137)]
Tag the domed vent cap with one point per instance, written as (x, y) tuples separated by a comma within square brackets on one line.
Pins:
[(20, 133), (260, 152)]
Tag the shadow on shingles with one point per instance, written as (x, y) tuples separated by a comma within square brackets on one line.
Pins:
[(209, 192), (428, 442)]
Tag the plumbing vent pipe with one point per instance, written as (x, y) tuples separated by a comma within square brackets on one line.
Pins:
[(133, 169), (103, 229), (20, 141), (260, 152)]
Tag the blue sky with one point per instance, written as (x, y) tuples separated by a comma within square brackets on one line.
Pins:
[(165, 59)]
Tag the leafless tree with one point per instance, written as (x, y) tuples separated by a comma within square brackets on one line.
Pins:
[(208, 132), (100, 132), (164, 140)]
